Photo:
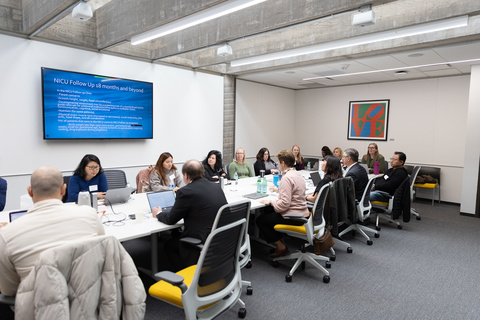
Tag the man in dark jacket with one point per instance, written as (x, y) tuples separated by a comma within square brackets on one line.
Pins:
[(197, 204), (392, 179), (355, 171)]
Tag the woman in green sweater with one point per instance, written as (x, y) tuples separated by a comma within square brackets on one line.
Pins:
[(372, 156), (239, 165)]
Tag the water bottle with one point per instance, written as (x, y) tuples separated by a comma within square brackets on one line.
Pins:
[(308, 166), (376, 168), (275, 179), (264, 185), (222, 182), (84, 198), (94, 201), (235, 177), (259, 185)]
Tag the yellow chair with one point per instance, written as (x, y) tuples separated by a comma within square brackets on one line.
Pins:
[(214, 284), (314, 226)]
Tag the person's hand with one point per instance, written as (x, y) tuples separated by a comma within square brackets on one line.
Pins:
[(101, 195), (274, 171), (215, 177), (176, 188), (266, 202), (156, 211), (274, 189)]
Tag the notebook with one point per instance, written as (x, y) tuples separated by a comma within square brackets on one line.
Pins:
[(14, 215), (255, 195), (120, 195), (163, 199), (316, 178)]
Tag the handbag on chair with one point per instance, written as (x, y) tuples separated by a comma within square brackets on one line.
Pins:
[(325, 242)]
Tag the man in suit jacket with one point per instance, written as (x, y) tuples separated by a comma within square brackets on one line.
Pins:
[(197, 204), (356, 171)]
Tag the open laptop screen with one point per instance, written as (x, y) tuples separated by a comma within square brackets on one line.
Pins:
[(163, 199), (14, 215)]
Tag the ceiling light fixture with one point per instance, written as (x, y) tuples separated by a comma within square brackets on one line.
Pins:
[(357, 41), (224, 50), (449, 63), (220, 10), (82, 11)]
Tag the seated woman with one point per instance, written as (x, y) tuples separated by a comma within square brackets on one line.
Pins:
[(264, 162), (326, 152), (291, 200), (165, 174), (333, 171), (372, 156), (213, 166), (3, 193), (240, 166), (88, 176), (299, 165)]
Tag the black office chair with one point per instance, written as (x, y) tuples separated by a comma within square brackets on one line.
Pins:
[(66, 179), (116, 179), (397, 205)]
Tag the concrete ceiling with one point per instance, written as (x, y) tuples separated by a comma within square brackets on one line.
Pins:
[(272, 26)]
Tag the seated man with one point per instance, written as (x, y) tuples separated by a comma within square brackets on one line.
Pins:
[(47, 224), (197, 204), (392, 179), (3, 193), (356, 171)]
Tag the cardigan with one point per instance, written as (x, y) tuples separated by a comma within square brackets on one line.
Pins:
[(157, 184), (366, 159), (291, 195), (77, 184)]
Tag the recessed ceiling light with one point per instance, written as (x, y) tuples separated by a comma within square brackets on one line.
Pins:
[(401, 72), (415, 55)]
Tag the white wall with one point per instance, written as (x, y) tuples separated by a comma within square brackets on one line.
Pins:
[(185, 103), (264, 118), (427, 121)]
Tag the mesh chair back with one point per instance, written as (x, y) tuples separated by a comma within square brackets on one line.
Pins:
[(319, 206), (413, 176), (366, 193), (220, 258), (116, 179), (232, 212)]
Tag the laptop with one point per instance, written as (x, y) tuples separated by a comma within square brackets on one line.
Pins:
[(14, 215), (316, 178), (255, 195), (120, 195), (163, 199)]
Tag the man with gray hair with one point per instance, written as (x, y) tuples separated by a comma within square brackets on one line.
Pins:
[(49, 223), (356, 171), (197, 204)]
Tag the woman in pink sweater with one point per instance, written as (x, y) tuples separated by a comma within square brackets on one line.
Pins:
[(291, 200)]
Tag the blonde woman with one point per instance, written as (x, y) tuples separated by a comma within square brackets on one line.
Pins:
[(299, 162), (240, 166), (338, 153), (372, 156)]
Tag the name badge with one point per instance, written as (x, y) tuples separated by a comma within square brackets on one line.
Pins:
[(386, 177), (93, 188)]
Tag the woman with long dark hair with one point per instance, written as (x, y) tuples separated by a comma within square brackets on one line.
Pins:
[(333, 171), (264, 162), (165, 175), (88, 176), (213, 166)]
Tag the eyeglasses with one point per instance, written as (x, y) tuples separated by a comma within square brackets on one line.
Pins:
[(371, 148), (93, 167), (393, 159), (239, 153)]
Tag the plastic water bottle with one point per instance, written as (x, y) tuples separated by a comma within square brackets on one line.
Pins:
[(259, 185), (275, 179), (308, 166), (222, 182), (235, 177), (264, 185), (376, 168)]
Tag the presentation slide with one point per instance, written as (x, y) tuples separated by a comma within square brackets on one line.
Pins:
[(86, 106)]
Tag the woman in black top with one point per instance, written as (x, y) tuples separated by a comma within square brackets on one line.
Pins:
[(213, 166), (333, 171), (264, 162)]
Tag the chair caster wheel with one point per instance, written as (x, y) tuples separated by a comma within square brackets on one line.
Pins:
[(275, 264), (369, 242), (248, 265), (242, 313), (326, 279), (419, 218), (328, 265), (332, 258), (399, 227), (377, 235), (249, 290), (288, 278), (349, 250)]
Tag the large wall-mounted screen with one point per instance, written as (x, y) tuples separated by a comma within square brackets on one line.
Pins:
[(87, 106)]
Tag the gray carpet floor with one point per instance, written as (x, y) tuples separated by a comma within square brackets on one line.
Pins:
[(427, 270)]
